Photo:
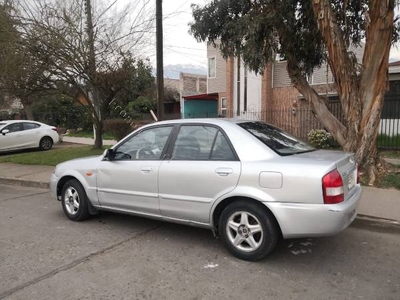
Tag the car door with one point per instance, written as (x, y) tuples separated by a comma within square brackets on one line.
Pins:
[(203, 167), (12, 139), (129, 182), (30, 134)]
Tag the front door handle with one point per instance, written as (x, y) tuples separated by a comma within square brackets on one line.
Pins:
[(224, 171), (146, 169)]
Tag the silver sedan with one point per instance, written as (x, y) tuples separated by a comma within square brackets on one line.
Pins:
[(248, 181)]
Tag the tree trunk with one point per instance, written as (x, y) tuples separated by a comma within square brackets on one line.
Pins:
[(28, 111), (98, 141), (362, 94)]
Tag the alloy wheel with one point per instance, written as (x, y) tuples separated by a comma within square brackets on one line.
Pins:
[(244, 231), (71, 200)]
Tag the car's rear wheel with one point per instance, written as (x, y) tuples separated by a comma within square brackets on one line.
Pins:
[(74, 201), (46, 143), (248, 230)]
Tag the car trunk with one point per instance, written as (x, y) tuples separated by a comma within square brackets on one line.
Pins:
[(344, 162)]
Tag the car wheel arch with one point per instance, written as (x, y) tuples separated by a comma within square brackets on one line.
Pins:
[(43, 137), (63, 180), (225, 202)]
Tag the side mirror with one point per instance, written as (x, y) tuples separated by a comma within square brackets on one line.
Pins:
[(109, 154), (5, 131)]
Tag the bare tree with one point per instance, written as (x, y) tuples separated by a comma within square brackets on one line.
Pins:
[(77, 42)]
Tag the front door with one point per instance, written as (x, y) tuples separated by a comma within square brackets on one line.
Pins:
[(203, 167), (129, 182), (13, 139)]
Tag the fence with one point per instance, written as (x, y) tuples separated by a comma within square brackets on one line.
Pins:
[(298, 121)]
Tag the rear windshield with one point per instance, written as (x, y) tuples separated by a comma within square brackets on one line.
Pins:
[(276, 139)]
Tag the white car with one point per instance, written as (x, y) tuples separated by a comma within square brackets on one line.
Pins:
[(21, 134)]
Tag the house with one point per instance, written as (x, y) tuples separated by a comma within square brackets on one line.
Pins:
[(193, 92), (390, 118), (271, 96)]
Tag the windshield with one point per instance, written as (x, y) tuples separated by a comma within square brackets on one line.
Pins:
[(2, 124), (276, 139)]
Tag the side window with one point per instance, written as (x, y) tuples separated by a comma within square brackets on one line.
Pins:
[(14, 127), (146, 145), (221, 149), (28, 126), (194, 143)]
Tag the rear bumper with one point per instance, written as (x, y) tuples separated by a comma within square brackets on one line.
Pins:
[(313, 220)]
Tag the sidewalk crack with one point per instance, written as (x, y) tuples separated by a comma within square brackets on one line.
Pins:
[(18, 197)]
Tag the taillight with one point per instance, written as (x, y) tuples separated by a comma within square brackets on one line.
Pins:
[(332, 186), (53, 128)]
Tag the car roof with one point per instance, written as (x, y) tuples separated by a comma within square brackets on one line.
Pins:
[(20, 121), (215, 121)]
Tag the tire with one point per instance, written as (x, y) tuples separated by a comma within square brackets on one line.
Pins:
[(46, 143), (236, 224), (74, 201)]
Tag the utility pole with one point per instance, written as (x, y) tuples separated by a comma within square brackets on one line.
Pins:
[(160, 63)]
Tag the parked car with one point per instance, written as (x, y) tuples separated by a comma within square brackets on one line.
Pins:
[(20, 134), (248, 181)]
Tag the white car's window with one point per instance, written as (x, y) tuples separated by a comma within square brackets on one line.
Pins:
[(194, 142), (146, 145), (276, 139), (14, 127), (28, 126)]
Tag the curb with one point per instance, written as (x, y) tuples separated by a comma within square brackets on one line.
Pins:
[(27, 183), (376, 224)]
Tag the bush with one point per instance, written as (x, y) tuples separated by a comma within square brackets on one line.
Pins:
[(320, 138), (118, 128)]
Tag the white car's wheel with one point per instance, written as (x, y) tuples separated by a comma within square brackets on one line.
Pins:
[(46, 143), (248, 230)]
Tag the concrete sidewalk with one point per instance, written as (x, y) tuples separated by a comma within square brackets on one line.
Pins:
[(376, 203)]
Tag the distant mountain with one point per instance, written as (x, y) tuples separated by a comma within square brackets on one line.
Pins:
[(172, 71)]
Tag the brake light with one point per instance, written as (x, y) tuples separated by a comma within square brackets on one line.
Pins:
[(332, 187), (53, 128)]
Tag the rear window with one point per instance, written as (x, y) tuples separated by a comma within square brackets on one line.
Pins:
[(276, 139)]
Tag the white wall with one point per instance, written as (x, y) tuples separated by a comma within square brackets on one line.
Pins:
[(254, 84)]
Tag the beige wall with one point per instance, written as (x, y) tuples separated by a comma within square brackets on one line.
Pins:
[(216, 84)]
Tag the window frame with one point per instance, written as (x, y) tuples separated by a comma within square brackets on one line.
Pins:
[(21, 126), (223, 109), (30, 123), (163, 152), (215, 66), (219, 129)]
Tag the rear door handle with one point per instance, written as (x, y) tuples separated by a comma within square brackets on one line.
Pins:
[(224, 171), (146, 169)]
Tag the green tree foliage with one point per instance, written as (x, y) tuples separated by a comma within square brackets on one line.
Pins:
[(307, 33)]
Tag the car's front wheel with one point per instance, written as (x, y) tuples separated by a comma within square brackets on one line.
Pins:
[(46, 143), (74, 201), (248, 230)]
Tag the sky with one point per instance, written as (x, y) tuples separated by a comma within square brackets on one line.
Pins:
[(179, 46)]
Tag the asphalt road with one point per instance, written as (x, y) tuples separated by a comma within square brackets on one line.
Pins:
[(45, 256)]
